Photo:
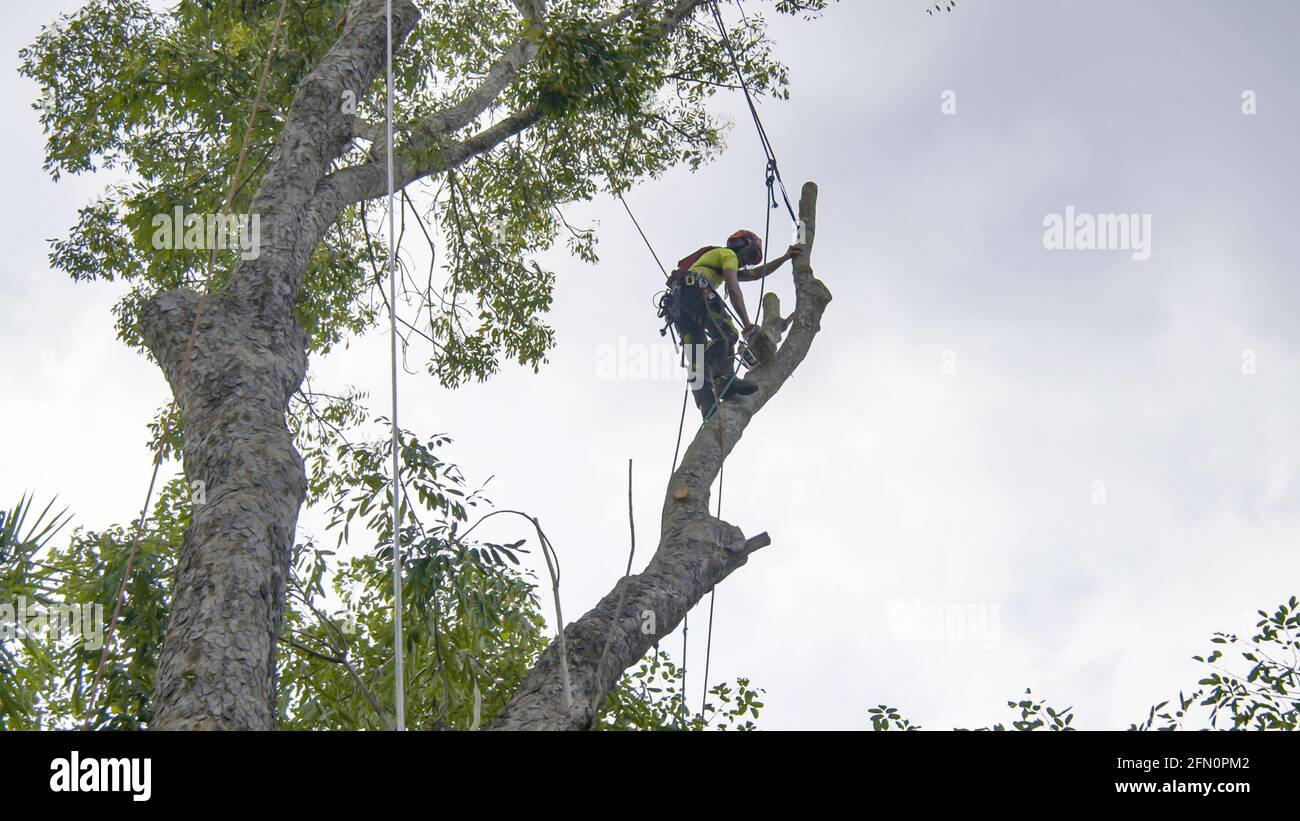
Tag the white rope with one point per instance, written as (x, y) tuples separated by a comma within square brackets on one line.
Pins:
[(392, 322)]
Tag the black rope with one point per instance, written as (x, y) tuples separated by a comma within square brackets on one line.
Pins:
[(686, 624), (774, 180), (644, 239), (773, 173), (680, 426), (708, 651), (773, 168), (767, 232), (713, 592)]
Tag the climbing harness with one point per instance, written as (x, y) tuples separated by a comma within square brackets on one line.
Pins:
[(670, 308)]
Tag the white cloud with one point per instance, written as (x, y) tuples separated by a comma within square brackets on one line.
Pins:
[(882, 479)]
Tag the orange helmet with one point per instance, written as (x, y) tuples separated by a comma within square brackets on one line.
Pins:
[(746, 244)]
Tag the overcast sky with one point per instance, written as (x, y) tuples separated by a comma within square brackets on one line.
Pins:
[(1093, 455)]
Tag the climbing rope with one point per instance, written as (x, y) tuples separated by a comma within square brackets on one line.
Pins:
[(713, 591), (753, 110), (773, 177), (681, 426), (644, 239), (398, 678), (180, 381), (773, 181), (708, 650), (767, 233)]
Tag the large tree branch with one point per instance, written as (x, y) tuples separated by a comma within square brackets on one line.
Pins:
[(362, 182), (696, 552), (315, 133), (531, 10), (427, 150), (217, 666), (216, 669)]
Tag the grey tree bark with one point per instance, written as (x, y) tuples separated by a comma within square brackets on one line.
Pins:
[(217, 665), (696, 552)]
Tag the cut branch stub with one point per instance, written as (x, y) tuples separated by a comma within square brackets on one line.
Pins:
[(764, 342), (696, 552)]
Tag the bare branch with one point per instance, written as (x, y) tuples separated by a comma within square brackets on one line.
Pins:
[(696, 551)]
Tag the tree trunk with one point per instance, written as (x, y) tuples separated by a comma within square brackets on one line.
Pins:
[(217, 665), (696, 551)]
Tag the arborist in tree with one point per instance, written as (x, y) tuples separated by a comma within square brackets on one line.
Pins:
[(694, 309)]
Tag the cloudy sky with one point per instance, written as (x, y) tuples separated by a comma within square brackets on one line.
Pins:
[(1089, 462)]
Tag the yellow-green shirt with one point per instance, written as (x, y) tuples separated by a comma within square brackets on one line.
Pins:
[(713, 263)]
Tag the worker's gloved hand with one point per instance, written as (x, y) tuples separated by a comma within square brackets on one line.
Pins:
[(794, 251), (746, 355)]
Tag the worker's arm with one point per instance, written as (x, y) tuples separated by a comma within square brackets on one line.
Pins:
[(736, 297), (759, 271)]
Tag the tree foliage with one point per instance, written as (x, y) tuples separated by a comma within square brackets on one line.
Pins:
[(160, 97), (472, 619), (1254, 688)]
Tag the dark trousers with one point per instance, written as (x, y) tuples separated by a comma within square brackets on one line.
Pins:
[(706, 331)]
